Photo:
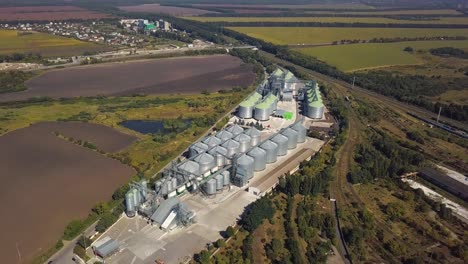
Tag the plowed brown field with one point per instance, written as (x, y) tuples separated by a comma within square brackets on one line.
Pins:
[(46, 182), (160, 76), (171, 10), (47, 13)]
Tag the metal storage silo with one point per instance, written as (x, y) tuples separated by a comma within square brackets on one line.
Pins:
[(164, 188), (212, 141), (301, 132), (191, 167), (232, 147), (255, 135), (235, 130), (271, 149), (246, 107), (224, 135), (282, 142), (315, 110), (129, 204), (168, 184), (244, 141), (157, 185), (219, 153), (291, 134), (174, 183), (262, 111), (206, 162), (210, 187), (197, 148), (259, 156), (136, 197), (219, 182), (245, 166), (226, 177)]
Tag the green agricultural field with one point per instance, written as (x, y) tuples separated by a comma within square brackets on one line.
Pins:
[(45, 44), (393, 13), (383, 20), (354, 57), (322, 35)]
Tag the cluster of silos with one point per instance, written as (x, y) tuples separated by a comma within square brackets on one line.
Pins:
[(168, 186), (217, 183), (313, 104), (197, 148), (135, 197), (246, 107), (264, 109)]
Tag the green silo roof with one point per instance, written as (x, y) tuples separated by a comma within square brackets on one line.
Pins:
[(277, 73), (251, 100), (267, 101), (289, 76)]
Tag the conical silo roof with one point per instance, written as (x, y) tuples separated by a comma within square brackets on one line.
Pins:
[(224, 135), (235, 129), (242, 138), (212, 141)]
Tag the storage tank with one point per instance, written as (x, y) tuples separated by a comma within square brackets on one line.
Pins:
[(235, 130), (282, 142), (245, 166), (174, 183), (219, 182), (219, 153), (210, 187), (232, 147), (206, 162), (291, 134), (271, 149), (254, 135), (246, 107), (212, 141), (315, 110), (191, 167), (164, 188), (224, 135), (168, 184), (259, 156), (136, 197), (244, 142), (226, 177), (157, 185), (129, 204), (144, 191), (262, 111), (197, 148), (301, 132)]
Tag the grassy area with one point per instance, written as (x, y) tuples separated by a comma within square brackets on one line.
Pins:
[(317, 35), (45, 44), (395, 12), (383, 20), (354, 57), (459, 97), (146, 154)]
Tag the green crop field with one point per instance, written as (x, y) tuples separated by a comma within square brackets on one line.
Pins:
[(45, 44), (383, 20), (394, 13), (321, 35), (354, 57)]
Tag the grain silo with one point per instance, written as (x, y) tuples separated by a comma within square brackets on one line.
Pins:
[(210, 187), (301, 132), (212, 141), (191, 167), (264, 109), (245, 166), (206, 162), (282, 142), (255, 135), (219, 182), (226, 177), (259, 156), (224, 135), (235, 130), (197, 148), (315, 110), (232, 147), (157, 185), (129, 204), (219, 153), (292, 136), (136, 197), (244, 142), (174, 183), (246, 107), (271, 149), (164, 188)]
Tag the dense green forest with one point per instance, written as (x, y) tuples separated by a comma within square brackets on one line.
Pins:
[(449, 52), (13, 81)]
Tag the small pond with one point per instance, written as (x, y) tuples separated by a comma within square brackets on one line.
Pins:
[(157, 126)]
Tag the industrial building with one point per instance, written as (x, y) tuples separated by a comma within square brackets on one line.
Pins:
[(106, 247)]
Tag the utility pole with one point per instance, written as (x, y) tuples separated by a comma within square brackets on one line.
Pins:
[(354, 79), (438, 116)]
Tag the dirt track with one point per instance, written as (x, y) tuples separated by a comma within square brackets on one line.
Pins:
[(47, 182), (157, 76)]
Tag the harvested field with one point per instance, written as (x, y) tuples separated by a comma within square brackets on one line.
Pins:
[(160, 76), (322, 35), (104, 138), (44, 44), (377, 12), (356, 6), (171, 10), (47, 182), (48, 13)]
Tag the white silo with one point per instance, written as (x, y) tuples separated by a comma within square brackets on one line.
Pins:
[(255, 135), (271, 149), (282, 142), (244, 142), (292, 136), (259, 156)]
